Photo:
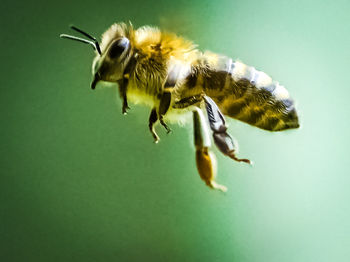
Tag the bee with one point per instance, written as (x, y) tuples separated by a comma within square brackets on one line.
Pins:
[(177, 80)]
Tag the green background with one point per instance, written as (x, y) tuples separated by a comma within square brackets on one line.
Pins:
[(81, 182)]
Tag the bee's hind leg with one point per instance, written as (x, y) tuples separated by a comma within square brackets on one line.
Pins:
[(205, 159), (222, 139)]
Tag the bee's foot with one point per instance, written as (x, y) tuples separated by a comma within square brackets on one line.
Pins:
[(155, 137), (217, 186), (168, 130), (125, 109), (233, 156)]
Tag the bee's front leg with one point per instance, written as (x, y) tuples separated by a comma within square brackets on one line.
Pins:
[(122, 85), (222, 139), (205, 159)]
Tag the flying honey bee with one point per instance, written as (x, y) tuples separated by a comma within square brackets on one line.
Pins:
[(169, 74)]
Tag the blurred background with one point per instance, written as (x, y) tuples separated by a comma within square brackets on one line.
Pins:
[(81, 182)]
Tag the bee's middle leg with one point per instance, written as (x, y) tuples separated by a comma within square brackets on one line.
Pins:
[(158, 113), (163, 108), (152, 120)]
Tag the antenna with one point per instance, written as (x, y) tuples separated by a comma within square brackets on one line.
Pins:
[(93, 43)]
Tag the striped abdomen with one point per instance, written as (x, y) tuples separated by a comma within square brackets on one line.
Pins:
[(249, 95)]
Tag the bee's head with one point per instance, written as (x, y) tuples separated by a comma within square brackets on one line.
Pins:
[(111, 64), (112, 56)]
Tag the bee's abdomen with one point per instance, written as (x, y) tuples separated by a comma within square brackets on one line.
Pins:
[(251, 96)]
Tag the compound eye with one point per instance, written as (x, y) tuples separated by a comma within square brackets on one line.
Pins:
[(118, 47)]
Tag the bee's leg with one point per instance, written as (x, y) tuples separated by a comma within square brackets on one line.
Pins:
[(205, 159), (125, 107), (122, 84), (222, 139), (164, 104), (152, 120), (163, 108), (165, 98)]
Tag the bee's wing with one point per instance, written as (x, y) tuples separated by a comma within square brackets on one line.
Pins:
[(249, 95)]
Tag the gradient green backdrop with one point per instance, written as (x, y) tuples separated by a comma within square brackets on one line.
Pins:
[(81, 182)]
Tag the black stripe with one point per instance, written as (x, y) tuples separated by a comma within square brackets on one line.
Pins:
[(292, 117), (215, 80), (236, 108), (191, 81), (290, 120), (263, 97), (271, 123), (255, 116), (241, 87)]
